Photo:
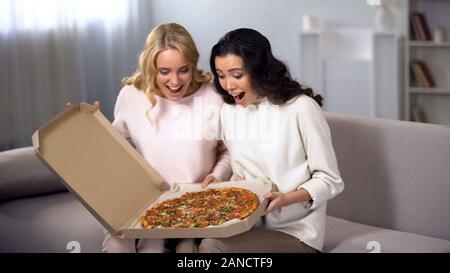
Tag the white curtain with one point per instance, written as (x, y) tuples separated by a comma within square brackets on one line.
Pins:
[(55, 51)]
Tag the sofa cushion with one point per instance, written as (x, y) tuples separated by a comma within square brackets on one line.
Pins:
[(396, 172), (48, 223), (22, 174), (345, 236)]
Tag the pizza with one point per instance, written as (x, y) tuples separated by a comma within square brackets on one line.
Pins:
[(201, 209)]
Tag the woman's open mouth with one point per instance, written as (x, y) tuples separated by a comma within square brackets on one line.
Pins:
[(239, 98), (175, 89)]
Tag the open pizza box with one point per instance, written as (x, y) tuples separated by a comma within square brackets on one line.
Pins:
[(115, 183)]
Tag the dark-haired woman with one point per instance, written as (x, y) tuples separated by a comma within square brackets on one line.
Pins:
[(273, 127)]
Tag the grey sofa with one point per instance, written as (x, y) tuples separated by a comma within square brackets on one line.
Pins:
[(396, 199)]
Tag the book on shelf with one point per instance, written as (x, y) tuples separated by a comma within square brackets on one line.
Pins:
[(412, 32), (421, 74), (419, 27), (418, 114)]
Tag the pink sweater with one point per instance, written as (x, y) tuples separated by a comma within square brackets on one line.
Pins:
[(178, 139)]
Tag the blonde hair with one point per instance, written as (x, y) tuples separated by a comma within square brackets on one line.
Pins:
[(163, 37)]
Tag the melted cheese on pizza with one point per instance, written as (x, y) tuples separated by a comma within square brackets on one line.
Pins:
[(201, 209)]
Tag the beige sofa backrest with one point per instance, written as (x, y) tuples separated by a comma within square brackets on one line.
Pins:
[(396, 174), (23, 175)]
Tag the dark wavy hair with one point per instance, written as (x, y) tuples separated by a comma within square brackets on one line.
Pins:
[(269, 76)]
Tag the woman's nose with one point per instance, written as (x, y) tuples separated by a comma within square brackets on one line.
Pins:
[(230, 86), (174, 79)]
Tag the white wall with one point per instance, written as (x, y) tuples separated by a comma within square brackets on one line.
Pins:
[(279, 21)]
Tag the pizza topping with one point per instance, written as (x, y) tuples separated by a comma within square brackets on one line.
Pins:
[(201, 209)]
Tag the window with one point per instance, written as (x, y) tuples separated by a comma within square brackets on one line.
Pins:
[(22, 15)]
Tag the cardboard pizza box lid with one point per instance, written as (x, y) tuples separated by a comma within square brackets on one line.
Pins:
[(98, 165)]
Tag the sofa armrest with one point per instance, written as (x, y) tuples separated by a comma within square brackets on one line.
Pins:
[(22, 175)]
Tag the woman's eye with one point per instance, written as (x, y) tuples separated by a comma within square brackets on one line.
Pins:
[(163, 71), (184, 70), (238, 76)]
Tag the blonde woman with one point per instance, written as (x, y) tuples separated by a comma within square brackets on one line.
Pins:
[(170, 113)]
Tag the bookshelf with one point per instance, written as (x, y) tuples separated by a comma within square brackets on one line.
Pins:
[(429, 44), (427, 99)]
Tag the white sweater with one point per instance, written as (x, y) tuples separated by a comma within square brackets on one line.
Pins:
[(291, 145)]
